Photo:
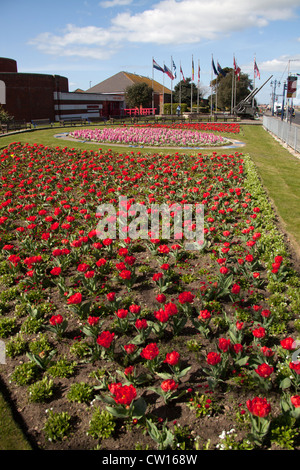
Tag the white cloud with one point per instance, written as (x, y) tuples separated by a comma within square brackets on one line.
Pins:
[(282, 64), (167, 22), (114, 3)]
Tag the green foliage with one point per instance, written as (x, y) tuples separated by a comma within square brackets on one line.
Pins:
[(167, 108), (184, 89), (81, 393), (9, 294), (40, 344), (203, 405), (32, 325), (183, 437), (224, 84), (6, 280), (102, 424), (161, 435), (16, 346), (285, 435), (139, 94), (41, 391), (4, 115), (4, 307), (25, 373), (7, 326), (80, 349), (57, 426), (42, 360), (62, 368)]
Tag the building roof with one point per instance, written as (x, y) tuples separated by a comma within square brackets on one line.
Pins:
[(120, 81)]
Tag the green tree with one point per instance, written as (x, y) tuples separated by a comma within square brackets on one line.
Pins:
[(4, 115), (139, 94), (223, 87)]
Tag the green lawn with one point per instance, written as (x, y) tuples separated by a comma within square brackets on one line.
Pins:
[(11, 435), (279, 171)]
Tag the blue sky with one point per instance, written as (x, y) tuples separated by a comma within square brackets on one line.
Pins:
[(89, 41)]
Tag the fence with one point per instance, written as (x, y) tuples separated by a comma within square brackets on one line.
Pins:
[(287, 132)]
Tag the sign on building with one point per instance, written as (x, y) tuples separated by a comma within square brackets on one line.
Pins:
[(291, 87)]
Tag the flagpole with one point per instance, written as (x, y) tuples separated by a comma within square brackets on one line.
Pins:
[(234, 102), (171, 112), (192, 86), (180, 87), (163, 110), (152, 83), (232, 84), (198, 86), (253, 78), (217, 94), (211, 78)]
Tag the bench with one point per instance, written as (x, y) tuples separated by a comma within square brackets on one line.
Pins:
[(41, 122), (72, 121), (3, 128), (17, 125)]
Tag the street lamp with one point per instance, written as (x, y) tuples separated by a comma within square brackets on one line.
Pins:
[(275, 83), (283, 96)]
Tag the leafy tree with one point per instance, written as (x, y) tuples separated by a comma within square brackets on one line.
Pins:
[(223, 86), (4, 115), (139, 94), (184, 88)]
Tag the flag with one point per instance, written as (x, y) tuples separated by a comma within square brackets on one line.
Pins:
[(199, 73), (168, 72), (214, 67), (222, 72), (174, 68), (256, 71), (157, 67), (237, 69), (193, 68), (182, 74)]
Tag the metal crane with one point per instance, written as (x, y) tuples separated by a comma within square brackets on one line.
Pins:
[(245, 107)]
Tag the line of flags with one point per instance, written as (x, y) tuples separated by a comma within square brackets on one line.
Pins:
[(217, 69), (172, 73)]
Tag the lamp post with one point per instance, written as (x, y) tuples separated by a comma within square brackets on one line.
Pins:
[(275, 83), (283, 96)]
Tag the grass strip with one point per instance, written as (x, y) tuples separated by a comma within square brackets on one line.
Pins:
[(11, 435)]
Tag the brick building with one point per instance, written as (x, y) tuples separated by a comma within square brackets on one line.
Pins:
[(31, 96), (28, 95), (120, 81)]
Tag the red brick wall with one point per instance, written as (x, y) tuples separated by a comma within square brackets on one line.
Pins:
[(8, 65)]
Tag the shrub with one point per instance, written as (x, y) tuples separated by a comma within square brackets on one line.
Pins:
[(16, 346), (57, 426), (81, 393), (41, 391), (26, 373), (102, 424), (62, 368), (7, 326)]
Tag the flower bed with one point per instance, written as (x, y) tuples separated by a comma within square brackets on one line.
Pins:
[(150, 136), (227, 127), (141, 343)]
